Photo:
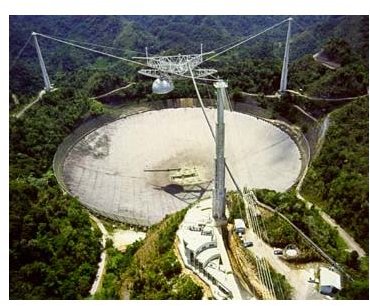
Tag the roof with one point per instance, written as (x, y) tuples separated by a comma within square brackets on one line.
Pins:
[(195, 239), (239, 223), (208, 255), (223, 278), (330, 278)]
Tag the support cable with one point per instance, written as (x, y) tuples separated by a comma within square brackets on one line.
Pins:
[(261, 271), (252, 212), (319, 43), (96, 45), (115, 56), (246, 40), (201, 103), (89, 49), (20, 53), (264, 262)]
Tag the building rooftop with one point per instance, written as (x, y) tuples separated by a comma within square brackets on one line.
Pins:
[(217, 272), (239, 223), (330, 278), (195, 239), (208, 255)]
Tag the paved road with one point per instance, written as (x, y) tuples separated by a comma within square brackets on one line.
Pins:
[(274, 96), (352, 245), (297, 278), (103, 257), (308, 239), (324, 99), (22, 111)]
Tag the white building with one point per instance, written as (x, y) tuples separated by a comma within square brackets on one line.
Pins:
[(201, 248), (239, 226), (330, 282)]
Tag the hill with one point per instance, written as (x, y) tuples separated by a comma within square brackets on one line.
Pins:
[(172, 34), (338, 177)]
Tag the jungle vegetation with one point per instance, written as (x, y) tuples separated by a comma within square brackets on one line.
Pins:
[(338, 179)]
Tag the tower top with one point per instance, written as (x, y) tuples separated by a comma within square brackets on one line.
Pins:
[(220, 84)]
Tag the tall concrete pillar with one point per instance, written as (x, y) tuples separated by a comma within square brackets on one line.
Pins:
[(219, 192), (284, 71), (42, 63)]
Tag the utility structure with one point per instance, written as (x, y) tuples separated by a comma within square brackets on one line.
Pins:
[(166, 68), (284, 71), (219, 191), (45, 75)]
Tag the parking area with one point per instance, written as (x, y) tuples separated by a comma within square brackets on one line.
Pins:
[(298, 277)]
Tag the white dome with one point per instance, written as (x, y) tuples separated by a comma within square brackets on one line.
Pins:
[(291, 253), (162, 86)]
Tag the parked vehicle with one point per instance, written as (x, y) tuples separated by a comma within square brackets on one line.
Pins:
[(248, 244), (278, 252)]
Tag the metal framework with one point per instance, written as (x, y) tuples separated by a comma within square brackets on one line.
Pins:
[(176, 65)]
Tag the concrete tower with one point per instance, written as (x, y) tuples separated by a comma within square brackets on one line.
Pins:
[(42, 64), (284, 71), (219, 192)]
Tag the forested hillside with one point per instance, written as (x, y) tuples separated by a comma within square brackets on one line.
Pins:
[(54, 251), (169, 34), (338, 179), (154, 273)]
